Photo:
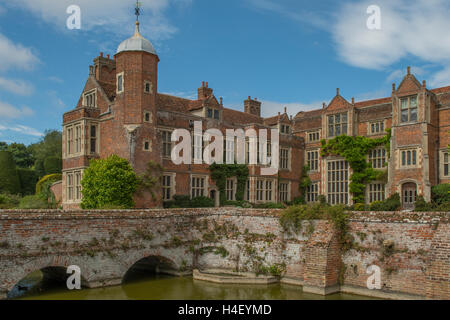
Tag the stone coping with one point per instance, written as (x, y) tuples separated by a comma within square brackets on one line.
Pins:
[(363, 216), (227, 277)]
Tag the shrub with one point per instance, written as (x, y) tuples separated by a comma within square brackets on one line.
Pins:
[(422, 205), (270, 205), (202, 202), (322, 199), (110, 181), (441, 193), (52, 165), (28, 179), (8, 201), (33, 202), (391, 204), (9, 178), (359, 207), (48, 179)]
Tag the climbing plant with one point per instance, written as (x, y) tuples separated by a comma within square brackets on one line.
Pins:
[(355, 150), (221, 172)]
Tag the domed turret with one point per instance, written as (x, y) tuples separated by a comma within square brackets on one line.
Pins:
[(136, 43)]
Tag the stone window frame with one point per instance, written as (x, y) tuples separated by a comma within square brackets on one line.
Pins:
[(282, 192), (122, 74), (285, 129), (146, 148), (341, 124), (205, 187), (74, 144), (406, 165), (75, 188), (312, 192), (308, 159), (337, 182), (381, 123), (262, 190), (400, 109), (233, 183), (97, 137), (310, 134), (371, 159), (172, 185), (150, 84), (285, 160), (214, 111), (150, 117), (86, 99), (444, 164), (166, 133), (373, 195)]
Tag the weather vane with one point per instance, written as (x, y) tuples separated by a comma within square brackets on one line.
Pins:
[(138, 10)]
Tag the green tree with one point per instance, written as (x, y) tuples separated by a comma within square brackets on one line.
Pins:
[(3, 146), (23, 157), (109, 182), (53, 165), (49, 146), (9, 178)]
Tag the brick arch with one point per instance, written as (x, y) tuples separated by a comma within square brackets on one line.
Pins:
[(132, 260), (399, 185), (42, 263)]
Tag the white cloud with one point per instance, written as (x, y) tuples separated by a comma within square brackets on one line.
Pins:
[(409, 28), (21, 129), (14, 55), (16, 86), (11, 112), (56, 79), (115, 16)]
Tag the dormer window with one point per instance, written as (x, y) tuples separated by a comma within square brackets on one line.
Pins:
[(408, 109), (213, 114), (90, 99), (337, 124), (285, 129)]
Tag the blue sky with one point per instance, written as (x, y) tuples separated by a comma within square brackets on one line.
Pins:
[(286, 53)]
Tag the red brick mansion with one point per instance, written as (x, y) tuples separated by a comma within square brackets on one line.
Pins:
[(121, 112)]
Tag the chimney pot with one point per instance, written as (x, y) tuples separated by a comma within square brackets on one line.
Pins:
[(203, 83), (256, 99), (207, 84), (424, 83), (249, 98), (108, 56), (337, 91), (353, 100), (101, 54), (408, 70), (221, 100)]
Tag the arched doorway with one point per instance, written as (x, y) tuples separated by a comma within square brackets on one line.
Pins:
[(409, 195)]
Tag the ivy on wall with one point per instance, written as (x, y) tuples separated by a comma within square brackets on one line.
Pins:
[(221, 172), (355, 150)]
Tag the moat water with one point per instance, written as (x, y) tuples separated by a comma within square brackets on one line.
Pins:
[(161, 287)]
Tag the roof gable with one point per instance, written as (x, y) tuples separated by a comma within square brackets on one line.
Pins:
[(338, 103)]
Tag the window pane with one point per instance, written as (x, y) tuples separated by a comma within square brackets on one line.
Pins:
[(413, 114), (413, 102), (404, 116), (404, 104)]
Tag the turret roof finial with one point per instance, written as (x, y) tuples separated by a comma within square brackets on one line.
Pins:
[(137, 12)]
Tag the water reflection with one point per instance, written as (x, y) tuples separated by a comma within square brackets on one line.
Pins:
[(161, 287)]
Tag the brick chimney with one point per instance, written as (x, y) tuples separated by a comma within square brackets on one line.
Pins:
[(204, 91), (252, 106)]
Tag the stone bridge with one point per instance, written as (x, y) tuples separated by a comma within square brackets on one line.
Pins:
[(412, 250)]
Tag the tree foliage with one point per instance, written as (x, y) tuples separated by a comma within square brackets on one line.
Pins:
[(49, 146), (9, 178), (22, 155), (109, 182)]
